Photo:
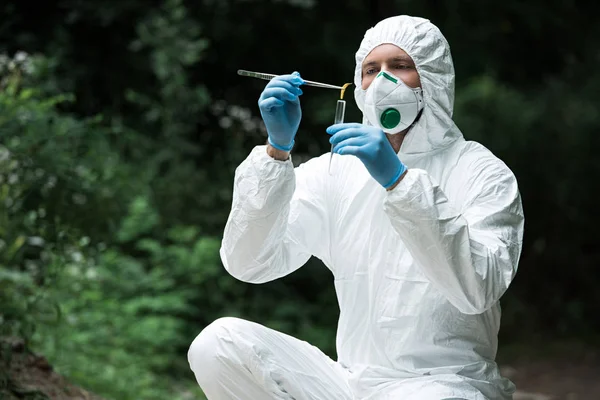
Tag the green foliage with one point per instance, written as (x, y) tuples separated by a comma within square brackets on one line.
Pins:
[(30, 232), (102, 316), (125, 318)]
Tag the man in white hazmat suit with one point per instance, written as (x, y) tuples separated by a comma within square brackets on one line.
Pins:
[(421, 229)]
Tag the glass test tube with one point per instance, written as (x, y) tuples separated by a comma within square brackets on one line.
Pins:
[(340, 110)]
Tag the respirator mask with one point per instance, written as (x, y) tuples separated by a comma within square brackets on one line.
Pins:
[(390, 104)]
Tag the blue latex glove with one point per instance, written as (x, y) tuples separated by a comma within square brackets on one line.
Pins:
[(372, 147), (280, 110)]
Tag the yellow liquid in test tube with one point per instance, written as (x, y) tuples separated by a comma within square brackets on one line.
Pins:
[(340, 110)]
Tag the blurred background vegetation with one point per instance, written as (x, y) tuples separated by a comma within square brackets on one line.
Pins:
[(121, 125)]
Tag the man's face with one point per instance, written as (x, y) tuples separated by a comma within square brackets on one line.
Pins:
[(392, 59)]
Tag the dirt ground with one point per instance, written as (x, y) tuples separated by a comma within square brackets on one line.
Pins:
[(26, 376), (556, 380), (563, 371)]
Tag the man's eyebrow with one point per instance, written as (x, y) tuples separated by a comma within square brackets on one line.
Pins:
[(395, 58), (401, 58)]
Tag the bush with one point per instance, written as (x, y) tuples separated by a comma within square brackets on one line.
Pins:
[(87, 273)]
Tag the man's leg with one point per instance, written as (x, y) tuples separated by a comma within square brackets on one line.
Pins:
[(234, 359), (435, 387)]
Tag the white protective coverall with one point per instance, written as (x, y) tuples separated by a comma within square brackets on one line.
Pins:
[(418, 270)]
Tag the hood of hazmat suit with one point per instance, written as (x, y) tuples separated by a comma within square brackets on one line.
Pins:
[(418, 270), (430, 51)]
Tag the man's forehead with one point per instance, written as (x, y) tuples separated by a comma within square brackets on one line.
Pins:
[(386, 52)]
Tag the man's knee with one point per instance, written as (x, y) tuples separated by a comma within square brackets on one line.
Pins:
[(205, 349)]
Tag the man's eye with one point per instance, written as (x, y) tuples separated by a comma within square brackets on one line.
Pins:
[(402, 66), (370, 71)]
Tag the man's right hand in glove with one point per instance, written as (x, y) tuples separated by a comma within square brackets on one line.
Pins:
[(280, 110)]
